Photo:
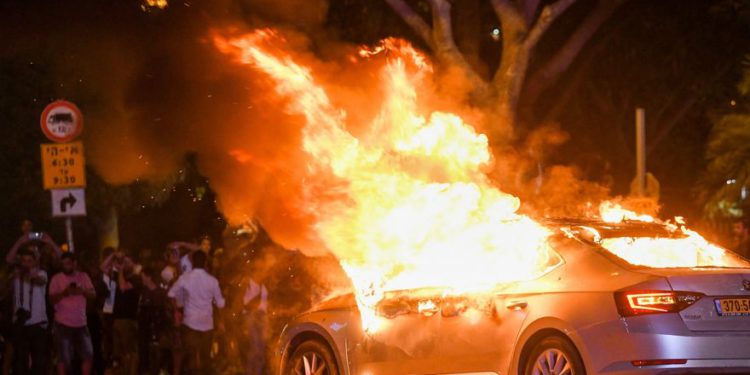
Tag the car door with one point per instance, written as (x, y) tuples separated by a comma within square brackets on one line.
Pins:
[(477, 333), (406, 341)]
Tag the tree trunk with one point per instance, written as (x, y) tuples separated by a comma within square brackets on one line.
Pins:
[(109, 232), (549, 73), (468, 33)]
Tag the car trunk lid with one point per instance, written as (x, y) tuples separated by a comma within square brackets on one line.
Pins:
[(726, 304)]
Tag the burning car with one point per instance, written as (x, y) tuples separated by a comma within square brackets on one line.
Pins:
[(448, 274), (615, 298)]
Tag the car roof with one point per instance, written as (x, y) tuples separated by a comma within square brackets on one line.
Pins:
[(621, 229)]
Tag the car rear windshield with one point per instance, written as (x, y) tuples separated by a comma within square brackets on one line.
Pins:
[(672, 252)]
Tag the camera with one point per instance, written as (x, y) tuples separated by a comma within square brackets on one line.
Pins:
[(35, 235), (72, 284)]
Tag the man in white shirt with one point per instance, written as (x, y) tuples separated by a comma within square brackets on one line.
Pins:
[(196, 292)]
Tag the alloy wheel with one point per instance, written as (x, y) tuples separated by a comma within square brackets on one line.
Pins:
[(552, 362), (310, 363)]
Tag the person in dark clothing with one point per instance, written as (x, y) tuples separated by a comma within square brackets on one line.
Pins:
[(125, 317), (153, 322), (106, 288), (94, 322), (170, 343)]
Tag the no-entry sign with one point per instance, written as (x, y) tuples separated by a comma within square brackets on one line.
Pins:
[(61, 121)]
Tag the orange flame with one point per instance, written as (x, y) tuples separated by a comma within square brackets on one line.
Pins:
[(418, 210), (411, 206), (611, 212), (686, 248), (154, 4)]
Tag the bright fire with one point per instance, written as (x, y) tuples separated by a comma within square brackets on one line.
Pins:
[(413, 206), (686, 249), (159, 4), (417, 208), (611, 212)]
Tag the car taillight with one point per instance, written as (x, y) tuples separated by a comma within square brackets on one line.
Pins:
[(630, 303)]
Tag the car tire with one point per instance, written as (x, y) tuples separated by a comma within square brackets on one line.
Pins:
[(312, 357), (555, 354)]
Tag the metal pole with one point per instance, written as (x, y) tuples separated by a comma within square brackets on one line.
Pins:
[(640, 149), (69, 233)]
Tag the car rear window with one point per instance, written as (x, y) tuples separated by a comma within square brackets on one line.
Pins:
[(663, 252)]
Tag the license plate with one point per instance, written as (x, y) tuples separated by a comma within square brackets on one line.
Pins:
[(733, 306)]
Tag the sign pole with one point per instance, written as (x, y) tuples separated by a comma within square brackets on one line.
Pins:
[(640, 147), (69, 233), (63, 165)]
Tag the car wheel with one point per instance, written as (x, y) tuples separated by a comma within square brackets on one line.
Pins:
[(312, 358), (554, 355)]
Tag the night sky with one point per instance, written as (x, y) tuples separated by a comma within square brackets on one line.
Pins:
[(148, 70)]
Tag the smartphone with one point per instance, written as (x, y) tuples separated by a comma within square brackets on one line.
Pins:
[(35, 235), (73, 284)]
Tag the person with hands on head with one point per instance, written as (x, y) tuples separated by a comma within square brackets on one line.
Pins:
[(187, 250), (68, 292)]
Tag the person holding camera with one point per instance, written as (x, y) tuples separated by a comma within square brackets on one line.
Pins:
[(38, 239), (68, 292), (30, 315)]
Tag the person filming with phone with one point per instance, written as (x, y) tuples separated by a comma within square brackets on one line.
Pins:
[(29, 330), (28, 237), (68, 292)]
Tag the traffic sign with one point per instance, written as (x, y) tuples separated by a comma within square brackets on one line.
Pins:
[(63, 165), (61, 121), (68, 202)]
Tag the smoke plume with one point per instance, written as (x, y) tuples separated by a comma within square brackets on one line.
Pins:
[(156, 88)]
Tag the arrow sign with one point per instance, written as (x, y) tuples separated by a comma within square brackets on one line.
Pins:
[(68, 202)]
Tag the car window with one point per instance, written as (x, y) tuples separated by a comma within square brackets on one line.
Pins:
[(550, 261), (686, 252)]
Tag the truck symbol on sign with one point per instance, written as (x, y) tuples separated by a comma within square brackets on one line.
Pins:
[(61, 117)]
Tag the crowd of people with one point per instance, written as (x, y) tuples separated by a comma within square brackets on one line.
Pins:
[(144, 313), (133, 314)]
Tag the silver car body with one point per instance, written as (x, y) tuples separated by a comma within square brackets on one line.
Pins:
[(575, 299)]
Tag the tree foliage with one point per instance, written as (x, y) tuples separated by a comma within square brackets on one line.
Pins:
[(726, 181)]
